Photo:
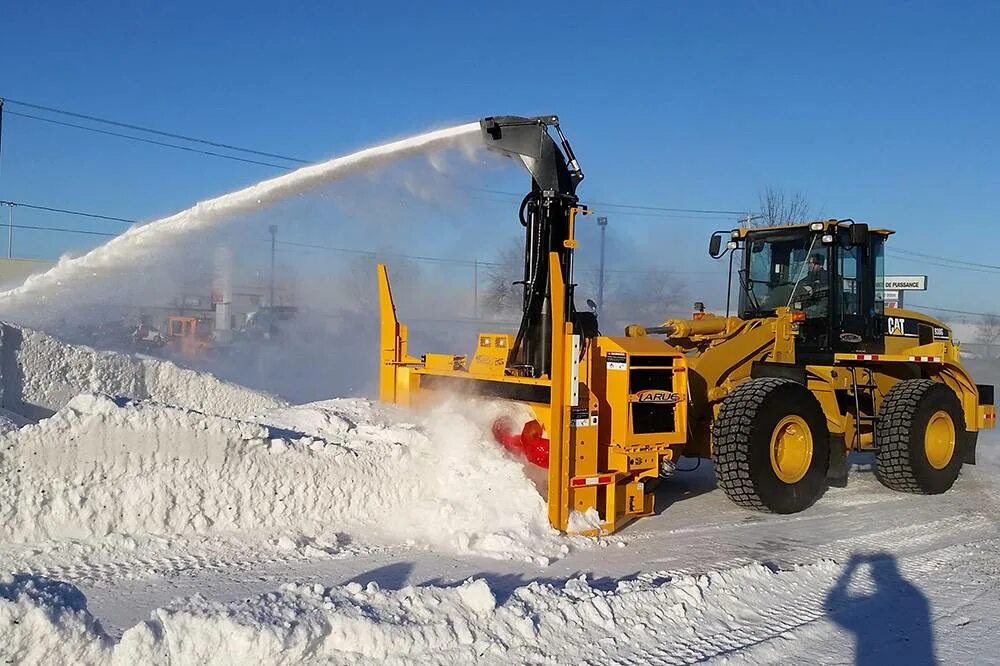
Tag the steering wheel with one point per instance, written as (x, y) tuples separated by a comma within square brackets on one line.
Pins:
[(809, 292)]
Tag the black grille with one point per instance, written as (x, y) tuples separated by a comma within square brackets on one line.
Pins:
[(654, 417), (648, 419), (642, 380)]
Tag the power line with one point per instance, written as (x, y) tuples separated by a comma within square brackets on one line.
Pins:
[(467, 262), (217, 144), (931, 259), (60, 229), (150, 141), (938, 264), (149, 130), (670, 210), (640, 211), (650, 211), (947, 259), (962, 312), (21, 204)]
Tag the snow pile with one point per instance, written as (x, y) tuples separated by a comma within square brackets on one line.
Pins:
[(10, 421), (43, 621), (41, 374), (101, 466), (655, 618)]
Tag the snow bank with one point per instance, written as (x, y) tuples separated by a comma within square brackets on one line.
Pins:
[(41, 374), (10, 421), (101, 466), (655, 618), (44, 621)]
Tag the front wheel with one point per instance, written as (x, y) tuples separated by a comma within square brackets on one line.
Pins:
[(771, 446), (920, 437)]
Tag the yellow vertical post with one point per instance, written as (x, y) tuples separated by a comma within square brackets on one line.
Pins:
[(390, 348), (558, 491)]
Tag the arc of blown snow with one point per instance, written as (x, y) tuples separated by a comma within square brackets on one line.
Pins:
[(247, 199)]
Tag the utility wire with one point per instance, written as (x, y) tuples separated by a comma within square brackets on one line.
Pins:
[(608, 204), (150, 130), (469, 262), (949, 310), (217, 144), (933, 260), (316, 246), (150, 141), (60, 229), (670, 210), (21, 204), (947, 259)]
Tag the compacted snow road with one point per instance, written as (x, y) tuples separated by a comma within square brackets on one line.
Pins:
[(201, 522)]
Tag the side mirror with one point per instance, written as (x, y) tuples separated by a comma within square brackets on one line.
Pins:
[(859, 234), (715, 245)]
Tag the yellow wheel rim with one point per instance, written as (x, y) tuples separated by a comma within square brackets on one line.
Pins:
[(939, 440), (791, 449)]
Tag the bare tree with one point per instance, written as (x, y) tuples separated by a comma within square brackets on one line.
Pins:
[(629, 297), (499, 294), (642, 299), (780, 207), (988, 332), (356, 281)]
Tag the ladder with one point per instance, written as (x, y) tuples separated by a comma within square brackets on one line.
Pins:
[(869, 386)]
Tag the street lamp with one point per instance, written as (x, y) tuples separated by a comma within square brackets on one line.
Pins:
[(274, 232), (602, 222)]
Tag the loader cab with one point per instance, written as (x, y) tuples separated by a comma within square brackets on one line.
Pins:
[(825, 273)]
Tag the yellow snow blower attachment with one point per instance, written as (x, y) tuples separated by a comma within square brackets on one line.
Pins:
[(812, 366), (607, 410)]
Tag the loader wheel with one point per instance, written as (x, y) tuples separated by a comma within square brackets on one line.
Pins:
[(771, 446), (920, 437)]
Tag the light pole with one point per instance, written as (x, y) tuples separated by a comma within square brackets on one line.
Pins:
[(10, 229), (274, 232), (602, 222)]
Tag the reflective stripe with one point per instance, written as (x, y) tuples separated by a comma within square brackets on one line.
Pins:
[(866, 357), (600, 480), (925, 359)]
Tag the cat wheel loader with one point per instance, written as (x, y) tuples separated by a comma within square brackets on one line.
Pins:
[(809, 367)]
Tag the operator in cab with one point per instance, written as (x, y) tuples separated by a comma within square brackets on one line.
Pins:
[(814, 286)]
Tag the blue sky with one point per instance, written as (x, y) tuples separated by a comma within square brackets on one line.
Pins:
[(884, 112)]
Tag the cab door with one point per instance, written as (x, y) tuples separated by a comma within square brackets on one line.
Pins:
[(857, 304)]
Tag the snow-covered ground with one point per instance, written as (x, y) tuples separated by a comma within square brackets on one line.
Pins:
[(155, 515)]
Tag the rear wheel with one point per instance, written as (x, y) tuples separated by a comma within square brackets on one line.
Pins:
[(771, 446), (920, 437)]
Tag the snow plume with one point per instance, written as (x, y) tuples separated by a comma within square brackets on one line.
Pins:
[(656, 618), (144, 244), (334, 222)]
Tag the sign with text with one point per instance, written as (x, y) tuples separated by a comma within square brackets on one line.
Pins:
[(906, 282)]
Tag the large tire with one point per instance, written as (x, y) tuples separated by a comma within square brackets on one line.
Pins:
[(760, 446), (920, 437)]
